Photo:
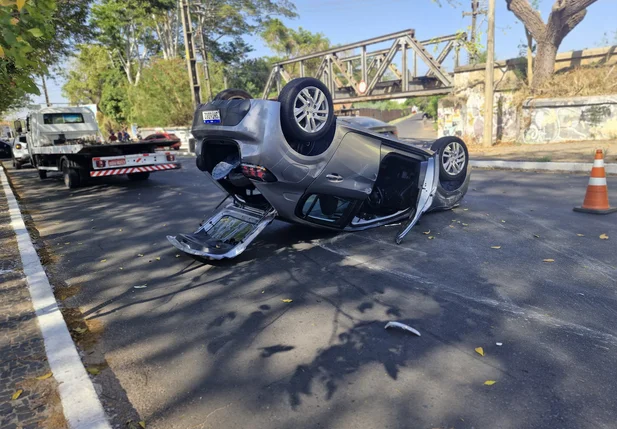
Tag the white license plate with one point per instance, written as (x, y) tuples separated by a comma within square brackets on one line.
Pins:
[(211, 116), (116, 162)]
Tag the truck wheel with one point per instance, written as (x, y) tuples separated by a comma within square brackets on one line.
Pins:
[(139, 176), (42, 174), (307, 112), (233, 94), (453, 157), (71, 176)]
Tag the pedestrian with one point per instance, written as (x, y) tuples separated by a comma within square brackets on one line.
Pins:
[(127, 137), (112, 137)]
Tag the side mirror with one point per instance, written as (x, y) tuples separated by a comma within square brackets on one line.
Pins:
[(18, 127)]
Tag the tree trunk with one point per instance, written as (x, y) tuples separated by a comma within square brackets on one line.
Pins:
[(544, 66), (529, 57)]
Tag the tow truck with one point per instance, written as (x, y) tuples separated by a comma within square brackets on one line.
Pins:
[(68, 140)]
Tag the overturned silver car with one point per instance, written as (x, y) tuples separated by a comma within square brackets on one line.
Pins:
[(293, 160)]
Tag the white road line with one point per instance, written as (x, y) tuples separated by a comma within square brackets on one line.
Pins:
[(82, 408)]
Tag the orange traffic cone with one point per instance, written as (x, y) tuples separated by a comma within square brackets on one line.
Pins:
[(596, 198)]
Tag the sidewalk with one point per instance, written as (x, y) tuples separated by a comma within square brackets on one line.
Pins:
[(553, 152), (24, 370)]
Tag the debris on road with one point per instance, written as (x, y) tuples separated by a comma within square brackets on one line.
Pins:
[(603, 237), (286, 300), (140, 286), (548, 260), (427, 232), (403, 327), (17, 394), (495, 247), (479, 350), (44, 376), (580, 235), (489, 382), (499, 344)]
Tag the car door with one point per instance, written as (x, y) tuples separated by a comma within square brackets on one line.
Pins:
[(339, 190)]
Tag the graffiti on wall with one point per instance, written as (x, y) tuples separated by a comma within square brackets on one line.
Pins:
[(449, 121), (570, 123)]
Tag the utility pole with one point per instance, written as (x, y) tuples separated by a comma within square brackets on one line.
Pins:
[(191, 62), (204, 57), (489, 78), (45, 90), (475, 11)]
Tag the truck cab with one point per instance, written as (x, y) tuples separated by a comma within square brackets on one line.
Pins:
[(62, 126)]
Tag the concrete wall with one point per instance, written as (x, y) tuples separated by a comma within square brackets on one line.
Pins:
[(463, 116), (539, 121), (566, 119)]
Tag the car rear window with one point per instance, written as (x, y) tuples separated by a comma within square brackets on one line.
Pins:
[(62, 118)]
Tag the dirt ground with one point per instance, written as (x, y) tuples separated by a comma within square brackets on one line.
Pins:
[(554, 152)]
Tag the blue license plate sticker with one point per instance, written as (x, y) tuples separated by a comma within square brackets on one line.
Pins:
[(211, 116)]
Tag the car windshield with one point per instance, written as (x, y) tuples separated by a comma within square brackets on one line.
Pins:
[(62, 118)]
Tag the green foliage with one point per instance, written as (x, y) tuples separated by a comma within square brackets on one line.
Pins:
[(425, 104), (251, 75), (163, 95), (290, 43), (380, 105)]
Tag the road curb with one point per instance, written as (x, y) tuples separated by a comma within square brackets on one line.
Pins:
[(571, 167), (81, 405)]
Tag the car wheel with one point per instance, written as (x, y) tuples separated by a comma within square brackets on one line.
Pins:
[(307, 112), (233, 94), (70, 176), (139, 176), (42, 174), (17, 165), (453, 157)]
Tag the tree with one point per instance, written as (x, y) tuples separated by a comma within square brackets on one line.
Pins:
[(167, 25), (125, 29), (290, 43), (565, 15), (250, 75)]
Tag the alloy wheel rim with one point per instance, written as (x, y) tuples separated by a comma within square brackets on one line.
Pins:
[(453, 158), (311, 109)]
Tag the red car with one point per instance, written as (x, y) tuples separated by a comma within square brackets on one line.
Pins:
[(167, 139)]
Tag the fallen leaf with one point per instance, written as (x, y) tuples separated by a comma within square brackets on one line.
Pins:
[(17, 394), (80, 243), (465, 210), (536, 235), (120, 268), (499, 344), (44, 376), (80, 330), (465, 224), (489, 382), (451, 226), (503, 221), (581, 235), (103, 260), (177, 256), (120, 230), (495, 247), (67, 243), (93, 371), (142, 424), (164, 224), (479, 350), (431, 237), (287, 300), (158, 258), (603, 237), (548, 260), (140, 255), (140, 286), (427, 232)]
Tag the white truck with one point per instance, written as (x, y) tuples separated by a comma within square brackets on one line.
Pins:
[(68, 140)]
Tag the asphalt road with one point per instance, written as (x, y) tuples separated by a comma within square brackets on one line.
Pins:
[(214, 346), (415, 127)]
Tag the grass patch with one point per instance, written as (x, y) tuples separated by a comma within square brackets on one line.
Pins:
[(544, 159)]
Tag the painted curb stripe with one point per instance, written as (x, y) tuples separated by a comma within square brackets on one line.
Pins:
[(543, 166), (81, 405)]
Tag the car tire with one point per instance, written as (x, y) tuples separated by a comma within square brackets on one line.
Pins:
[(70, 176), (139, 176), (233, 94), (17, 165), (453, 158), (316, 115), (42, 174)]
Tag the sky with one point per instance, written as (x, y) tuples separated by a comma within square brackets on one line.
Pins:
[(347, 21)]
